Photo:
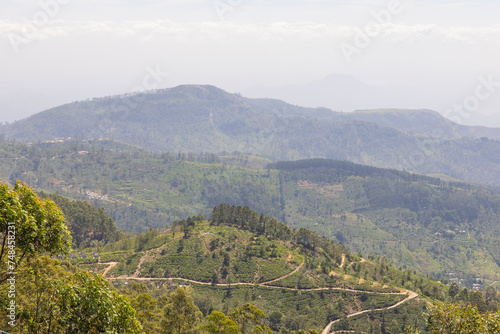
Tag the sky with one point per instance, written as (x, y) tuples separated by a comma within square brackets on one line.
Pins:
[(440, 55)]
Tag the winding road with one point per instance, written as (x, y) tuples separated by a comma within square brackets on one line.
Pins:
[(410, 294)]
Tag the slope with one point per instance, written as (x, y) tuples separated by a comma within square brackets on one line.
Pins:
[(260, 260)]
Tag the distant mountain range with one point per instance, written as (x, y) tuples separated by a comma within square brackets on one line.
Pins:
[(207, 119), (337, 91)]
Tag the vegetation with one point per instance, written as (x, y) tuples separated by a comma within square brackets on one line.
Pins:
[(447, 229), (293, 266), (455, 319), (240, 256), (88, 224), (29, 227), (37, 294), (301, 280)]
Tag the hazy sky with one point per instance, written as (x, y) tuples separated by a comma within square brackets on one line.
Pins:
[(433, 54)]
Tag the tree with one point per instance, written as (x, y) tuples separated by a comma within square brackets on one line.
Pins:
[(454, 290), (250, 319), (28, 226), (219, 323), (181, 315), (455, 319), (86, 222), (275, 319), (57, 299), (148, 312), (89, 305)]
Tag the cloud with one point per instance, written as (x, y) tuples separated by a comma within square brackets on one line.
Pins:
[(222, 31)]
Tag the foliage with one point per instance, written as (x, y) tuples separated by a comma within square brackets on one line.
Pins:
[(417, 221), (249, 319), (218, 323), (455, 319), (234, 257), (55, 298), (181, 315), (90, 305), (29, 226), (85, 221)]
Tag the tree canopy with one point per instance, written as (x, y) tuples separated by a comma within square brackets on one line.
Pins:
[(29, 226)]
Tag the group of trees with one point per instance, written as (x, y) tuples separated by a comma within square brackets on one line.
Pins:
[(55, 297), (40, 295), (455, 319), (29, 226), (147, 190), (177, 313), (59, 298), (245, 218), (324, 170), (85, 221)]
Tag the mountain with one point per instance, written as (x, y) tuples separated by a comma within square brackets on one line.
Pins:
[(336, 91), (206, 119), (423, 121)]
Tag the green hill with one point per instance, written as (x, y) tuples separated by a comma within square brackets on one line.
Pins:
[(240, 256)]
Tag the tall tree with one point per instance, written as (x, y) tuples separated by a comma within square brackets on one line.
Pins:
[(54, 298), (219, 323), (28, 226), (181, 315), (455, 319), (250, 319)]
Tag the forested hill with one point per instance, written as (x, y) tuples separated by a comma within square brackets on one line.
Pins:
[(417, 221), (239, 256), (89, 225), (208, 119)]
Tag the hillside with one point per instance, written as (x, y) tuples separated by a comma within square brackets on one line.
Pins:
[(425, 122), (88, 224), (240, 257), (418, 222), (206, 119)]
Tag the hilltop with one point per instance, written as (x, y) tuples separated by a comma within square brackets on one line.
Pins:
[(240, 256)]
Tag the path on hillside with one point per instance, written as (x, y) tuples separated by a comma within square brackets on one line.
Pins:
[(143, 258), (326, 330), (136, 277), (411, 295), (111, 266), (343, 261), (263, 284), (282, 277)]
